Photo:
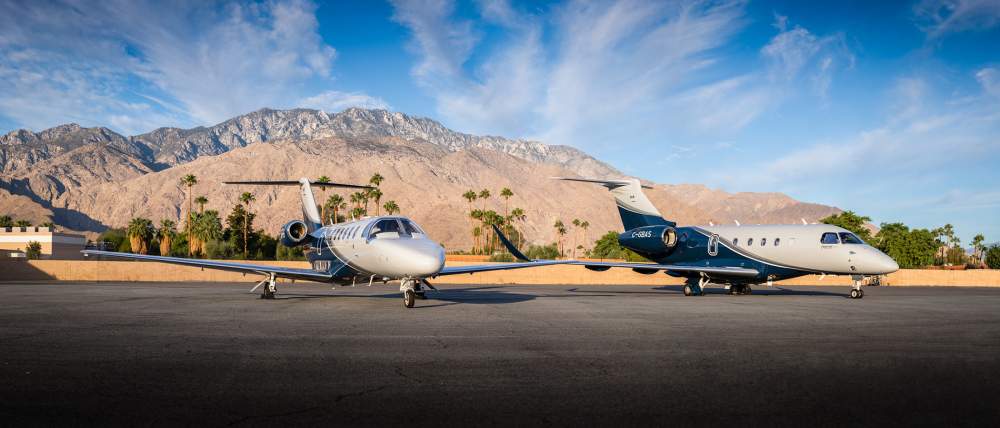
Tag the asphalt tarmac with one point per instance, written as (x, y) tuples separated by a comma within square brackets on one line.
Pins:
[(169, 354)]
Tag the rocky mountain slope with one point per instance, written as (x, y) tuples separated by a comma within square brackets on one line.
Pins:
[(88, 179)]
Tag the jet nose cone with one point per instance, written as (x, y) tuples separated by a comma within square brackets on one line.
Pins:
[(427, 260), (886, 264)]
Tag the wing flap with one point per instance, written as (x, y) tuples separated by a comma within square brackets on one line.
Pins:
[(646, 268), (291, 273), (455, 270)]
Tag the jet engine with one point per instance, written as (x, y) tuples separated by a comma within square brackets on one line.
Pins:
[(294, 233), (650, 240)]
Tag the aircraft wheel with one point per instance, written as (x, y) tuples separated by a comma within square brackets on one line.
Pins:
[(409, 298), (861, 293), (747, 289), (733, 289), (688, 291), (854, 294)]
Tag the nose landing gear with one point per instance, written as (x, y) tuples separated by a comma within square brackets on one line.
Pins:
[(856, 291), (412, 290)]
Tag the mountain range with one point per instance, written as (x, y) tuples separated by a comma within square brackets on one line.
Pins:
[(89, 179)]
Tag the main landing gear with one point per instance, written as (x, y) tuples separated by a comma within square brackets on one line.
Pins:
[(740, 289), (856, 291), (695, 287), (270, 287)]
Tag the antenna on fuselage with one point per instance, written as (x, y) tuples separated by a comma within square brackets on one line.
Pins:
[(804, 221), (737, 222)]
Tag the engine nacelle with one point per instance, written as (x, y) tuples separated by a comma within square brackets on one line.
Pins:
[(294, 233), (650, 240)]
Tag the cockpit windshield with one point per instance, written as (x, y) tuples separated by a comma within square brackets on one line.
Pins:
[(850, 238), (409, 227), (384, 226), (829, 238)]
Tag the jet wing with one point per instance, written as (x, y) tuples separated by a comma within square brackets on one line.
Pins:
[(499, 266), (283, 272), (650, 268)]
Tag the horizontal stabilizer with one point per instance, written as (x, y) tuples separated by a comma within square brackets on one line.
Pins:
[(610, 184), (297, 183)]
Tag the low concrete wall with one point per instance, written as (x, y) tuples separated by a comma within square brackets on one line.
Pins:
[(72, 270)]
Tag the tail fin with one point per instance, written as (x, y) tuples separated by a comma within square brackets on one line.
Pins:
[(310, 215), (633, 205)]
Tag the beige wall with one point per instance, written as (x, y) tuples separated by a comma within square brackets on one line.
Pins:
[(54, 245), (147, 271)]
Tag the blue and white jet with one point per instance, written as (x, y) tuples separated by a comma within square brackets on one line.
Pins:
[(735, 256), (370, 249)]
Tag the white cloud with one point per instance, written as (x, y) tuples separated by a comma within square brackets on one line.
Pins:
[(940, 17), (140, 64), (989, 78), (602, 62), (917, 138), (795, 52), (334, 101)]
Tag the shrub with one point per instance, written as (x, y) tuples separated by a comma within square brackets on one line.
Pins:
[(550, 251), (993, 256), (502, 257), (33, 250)]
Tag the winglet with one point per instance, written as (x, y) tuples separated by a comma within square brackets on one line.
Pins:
[(510, 247)]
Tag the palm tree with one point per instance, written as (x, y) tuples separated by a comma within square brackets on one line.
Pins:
[(207, 227), (376, 179), (140, 232), (576, 223), (336, 203), (484, 195), (977, 248), (391, 207), (189, 180), (246, 198), (470, 196), (6, 221), (505, 193), (584, 225), (322, 209), (201, 201), (166, 234), (477, 230), (560, 231), (518, 215), (377, 195)]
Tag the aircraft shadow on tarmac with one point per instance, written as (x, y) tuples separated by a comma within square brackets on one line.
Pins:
[(449, 296), (762, 291), (492, 295)]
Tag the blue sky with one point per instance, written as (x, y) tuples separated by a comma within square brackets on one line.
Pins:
[(890, 109)]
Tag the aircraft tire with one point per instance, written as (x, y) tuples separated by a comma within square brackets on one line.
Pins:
[(409, 298), (688, 291), (854, 294), (861, 293), (747, 290)]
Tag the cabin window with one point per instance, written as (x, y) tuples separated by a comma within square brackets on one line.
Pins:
[(777, 241), (829, 238), (850, 238), (763, 242), (749, 241), (736, 241)]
